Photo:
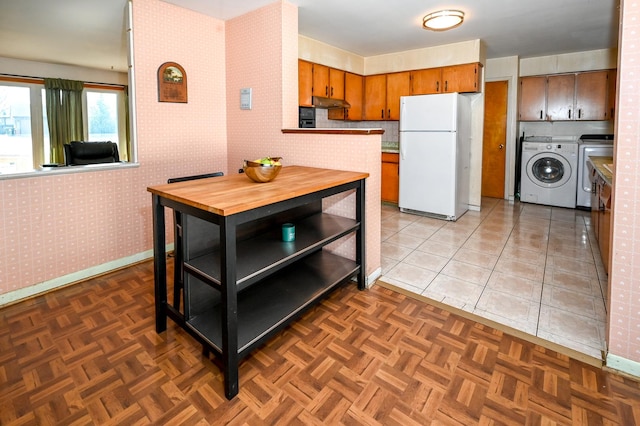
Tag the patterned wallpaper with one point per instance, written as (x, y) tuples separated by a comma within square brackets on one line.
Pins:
[(59, 228), (624, 277)]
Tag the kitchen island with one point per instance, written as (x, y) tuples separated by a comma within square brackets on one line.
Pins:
[(241, 282)]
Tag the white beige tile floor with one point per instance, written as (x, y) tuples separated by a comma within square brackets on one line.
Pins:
[(533, 268)]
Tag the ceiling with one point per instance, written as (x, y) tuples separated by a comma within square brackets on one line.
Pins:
[(91, 32)]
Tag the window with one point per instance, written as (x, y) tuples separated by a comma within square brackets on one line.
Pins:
[(16, 140), (24, 133), (105, 118)]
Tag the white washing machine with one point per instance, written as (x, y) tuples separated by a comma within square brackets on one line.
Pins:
[(549, 173), (590, 146)]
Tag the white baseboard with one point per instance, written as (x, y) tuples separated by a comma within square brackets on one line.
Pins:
[(45, 286), (374, 277), (623, 365)]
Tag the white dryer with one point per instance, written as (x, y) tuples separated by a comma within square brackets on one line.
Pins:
[(549, 171), (590, 146)]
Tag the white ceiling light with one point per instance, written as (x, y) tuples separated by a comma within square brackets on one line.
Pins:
[(443, 20)]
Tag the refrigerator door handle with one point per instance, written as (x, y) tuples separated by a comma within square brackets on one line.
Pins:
[(403, 152)]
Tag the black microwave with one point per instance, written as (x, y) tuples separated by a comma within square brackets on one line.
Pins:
[(306, 117)]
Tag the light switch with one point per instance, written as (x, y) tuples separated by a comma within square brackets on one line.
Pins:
[(245, 98)]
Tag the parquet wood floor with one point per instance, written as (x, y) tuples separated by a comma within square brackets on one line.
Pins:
[(89, 354)]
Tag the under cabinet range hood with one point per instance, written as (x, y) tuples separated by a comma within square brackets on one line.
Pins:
[(329, 103)]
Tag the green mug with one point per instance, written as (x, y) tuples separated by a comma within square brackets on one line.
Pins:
[(288, 232)]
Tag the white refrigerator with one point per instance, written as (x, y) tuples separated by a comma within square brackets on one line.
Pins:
[(435, 144)]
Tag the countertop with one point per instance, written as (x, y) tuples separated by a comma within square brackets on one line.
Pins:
[(227, 195), (335, 131), (390, 147), (603, 166)]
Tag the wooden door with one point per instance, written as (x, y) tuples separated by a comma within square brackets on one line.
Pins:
[(426, 81), (461, 78), (320, 80), (375, 96), (494, 139), (591, 95), (532, 98), (336, 84), (398, 84), (561, 97), (305, 83)]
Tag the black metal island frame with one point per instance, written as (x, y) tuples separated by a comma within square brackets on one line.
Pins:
[(237, 283)]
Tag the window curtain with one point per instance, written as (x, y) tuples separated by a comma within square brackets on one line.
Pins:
[(64, 114)]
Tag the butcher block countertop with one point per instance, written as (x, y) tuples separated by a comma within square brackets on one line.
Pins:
[(227, 195)]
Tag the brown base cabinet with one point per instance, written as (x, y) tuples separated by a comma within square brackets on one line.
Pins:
[(601, 215), (390, 177)]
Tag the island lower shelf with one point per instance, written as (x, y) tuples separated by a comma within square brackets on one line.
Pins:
[(266, 253), (268, 306)]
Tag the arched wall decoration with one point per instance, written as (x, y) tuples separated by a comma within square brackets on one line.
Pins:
[(172, 83)]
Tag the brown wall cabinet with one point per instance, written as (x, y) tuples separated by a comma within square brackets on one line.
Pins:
[(354, 95), (455, 78), (586, 96), (426, 81), (532, 99), (318, 80), (328, 82), (382, 95), (377, 97), (560, 97), (592, 96), (390, 179), (305, 83)]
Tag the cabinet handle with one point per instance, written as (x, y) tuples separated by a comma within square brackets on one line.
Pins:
[(500, 146), (326, 90), (580, 113), (446, 85), (389, 113), (382, 114), (332, 91), (569, 114), (437, 86), (540, 114)]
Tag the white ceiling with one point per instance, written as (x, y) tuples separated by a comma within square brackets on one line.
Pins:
[(91, 32)]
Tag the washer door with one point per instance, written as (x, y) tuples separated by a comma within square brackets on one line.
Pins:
[(548, 170)]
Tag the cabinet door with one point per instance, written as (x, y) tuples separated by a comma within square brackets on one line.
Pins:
[(390, 177), (604, 224), (611, 94), (561, 97), (398, 84), (353, 94), (320, 80), (591, 96), (305, 83), (461, 78), (336, 84), (375, 96), (532, 99), (426, 81)]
